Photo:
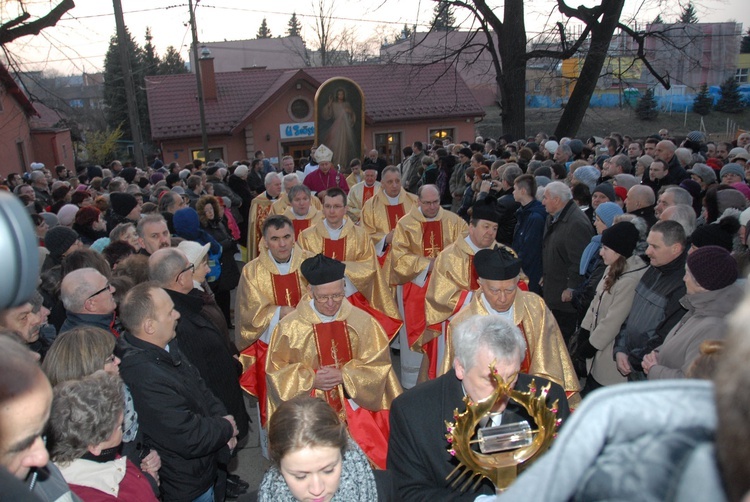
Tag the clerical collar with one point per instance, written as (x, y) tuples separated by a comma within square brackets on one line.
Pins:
[(283, 267), (328, 227), (300, 217), (471, 244), (323, 317), (268, 196), (392, 201), (507, 314)]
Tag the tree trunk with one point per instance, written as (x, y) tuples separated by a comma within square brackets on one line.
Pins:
[(601, 35), (511, 80)]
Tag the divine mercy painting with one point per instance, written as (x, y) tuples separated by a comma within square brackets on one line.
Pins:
[(339, 119)]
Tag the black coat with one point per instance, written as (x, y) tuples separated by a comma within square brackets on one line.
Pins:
[(179, 417), (206, 348), (417, 450)]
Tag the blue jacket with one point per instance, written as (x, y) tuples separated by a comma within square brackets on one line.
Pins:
[(527, 241)]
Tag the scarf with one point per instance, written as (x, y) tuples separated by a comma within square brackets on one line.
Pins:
[(590, 253)]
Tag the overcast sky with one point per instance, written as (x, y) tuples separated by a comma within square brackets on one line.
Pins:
[(80, 40)]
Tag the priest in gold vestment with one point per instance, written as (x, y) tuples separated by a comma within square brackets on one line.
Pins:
[(452, 283), (270, 288), (302, 211), (419, 237), (260, 208), (546, 353), (338, 238), (381, 213), (333, 350), (361, 193)]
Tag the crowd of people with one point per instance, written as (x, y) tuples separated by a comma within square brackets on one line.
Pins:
[(167, 294)]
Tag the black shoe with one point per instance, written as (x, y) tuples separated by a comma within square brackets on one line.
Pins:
[(235, 479), (234, 490)]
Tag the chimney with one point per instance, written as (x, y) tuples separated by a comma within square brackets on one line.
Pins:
[(208, 77)]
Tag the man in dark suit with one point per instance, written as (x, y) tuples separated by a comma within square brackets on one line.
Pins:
[(418, 451)]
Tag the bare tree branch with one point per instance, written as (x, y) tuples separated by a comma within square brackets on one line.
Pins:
[(17, 28)]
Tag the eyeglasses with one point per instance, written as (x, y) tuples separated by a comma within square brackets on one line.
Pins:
[(105, 288), (190, 267), (325, 299)]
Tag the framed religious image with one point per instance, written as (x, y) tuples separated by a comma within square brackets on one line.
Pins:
[(339, 119)]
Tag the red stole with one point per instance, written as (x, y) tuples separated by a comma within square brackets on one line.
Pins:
[(335, 249), (286, 292), (334, 349), (432, 238), (367, 193), (395, 213), (299, 226), (473, 277)]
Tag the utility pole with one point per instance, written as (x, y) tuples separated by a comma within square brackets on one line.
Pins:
[(201, 101), (127, 72)]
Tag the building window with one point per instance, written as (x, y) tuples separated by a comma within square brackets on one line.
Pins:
[(389, 146), (213, 154), (300, 109), (442, 134), (741, 75)]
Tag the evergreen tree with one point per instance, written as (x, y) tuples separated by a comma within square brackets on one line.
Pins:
[(657, 20), (295, 27), (730, 100), (444, 18), (745, 43), (703, 102), (406, 32), (114, 88), (688, 14), (646, 107), (172, 63), (150, 57), (263, 31)]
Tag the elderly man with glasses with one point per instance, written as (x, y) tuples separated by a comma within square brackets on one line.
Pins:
[(89, 300), (339, 353)]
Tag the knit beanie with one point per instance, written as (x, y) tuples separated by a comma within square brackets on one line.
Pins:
[(622, 238), (712, 267), (122, 203), (128, 174), (588, 175), (720, 233), (621, 193), (605, 188), (730, 198), (59, 239), (87, 216), (608, 211), (241, 170), (67, 215)]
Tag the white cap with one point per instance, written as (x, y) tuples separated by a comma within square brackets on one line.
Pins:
[(37, 166), (194, 251)]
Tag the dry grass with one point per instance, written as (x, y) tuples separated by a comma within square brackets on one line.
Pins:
[(602, 121)]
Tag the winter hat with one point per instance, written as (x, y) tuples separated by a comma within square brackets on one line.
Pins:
[(94, 172), (172, 179), (87, 216), (732, 168), (156, 178), (194, 251), (99, 244), (241, 170), (128, 174), (607, 212), (588, 175), (67, 215), (621, 193), (551, 146), (606, 189), (576, 146), (51, 219), (627, 181), (736, 151), (704, 172), (59, 239), (37, 166), (730, 198), (184, 174), (622, 238), (542, 181), (720, 233), (122, 203), (696, 136), (712, 267)]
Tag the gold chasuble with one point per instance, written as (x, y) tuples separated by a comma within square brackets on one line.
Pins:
[(261, 291), (355, 250), (379, 217), (358, 195), (546, 353), (282, 204), (302, 343), (415, 242), (352, 180), (260, 208)]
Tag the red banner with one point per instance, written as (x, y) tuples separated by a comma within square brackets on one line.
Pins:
[(335, 249), (432, 238), (299, 226), (395, 213)]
